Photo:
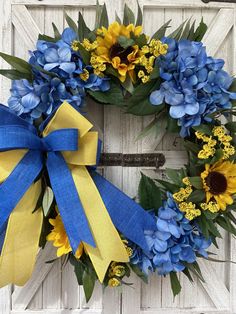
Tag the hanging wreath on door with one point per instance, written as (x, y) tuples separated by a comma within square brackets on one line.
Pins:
[(50, 189)]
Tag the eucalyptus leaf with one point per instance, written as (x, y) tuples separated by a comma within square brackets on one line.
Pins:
[(118, 19), (125, 42), (98, 14), (191, 31), (204, 128), (47, 200)]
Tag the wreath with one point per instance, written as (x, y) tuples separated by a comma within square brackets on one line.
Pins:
[(50, 189)]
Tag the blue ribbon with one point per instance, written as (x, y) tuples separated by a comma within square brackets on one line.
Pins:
[(15, 133), (128, 216)]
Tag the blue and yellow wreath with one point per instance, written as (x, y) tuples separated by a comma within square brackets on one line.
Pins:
[(50, 190)]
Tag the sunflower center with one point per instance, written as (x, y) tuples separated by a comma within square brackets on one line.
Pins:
[(217, 182), (118, 51)]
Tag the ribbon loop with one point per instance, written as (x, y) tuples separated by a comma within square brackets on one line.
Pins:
[(61, 140)]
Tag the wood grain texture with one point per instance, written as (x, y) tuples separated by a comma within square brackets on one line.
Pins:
[(53, 288)]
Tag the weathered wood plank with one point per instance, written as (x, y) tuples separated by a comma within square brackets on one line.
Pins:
[(150, 3), (25, 25), (218, 30), (22, 296)]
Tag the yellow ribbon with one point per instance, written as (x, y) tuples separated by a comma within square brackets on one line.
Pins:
[(109, 246)]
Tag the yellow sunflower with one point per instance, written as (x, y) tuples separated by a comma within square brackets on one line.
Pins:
[(110, 51), (60, 240), (219, 182)]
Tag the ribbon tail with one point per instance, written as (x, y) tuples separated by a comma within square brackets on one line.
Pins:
[(20, 245), (68, 201), (18, 182), (109, 246), (128, 216)]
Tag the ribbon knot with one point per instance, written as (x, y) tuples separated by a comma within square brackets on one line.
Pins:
[(89, 206)]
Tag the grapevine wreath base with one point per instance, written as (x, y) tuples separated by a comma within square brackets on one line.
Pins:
[(50, 190)]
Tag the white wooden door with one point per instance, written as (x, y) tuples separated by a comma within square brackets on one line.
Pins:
[(53, 288)]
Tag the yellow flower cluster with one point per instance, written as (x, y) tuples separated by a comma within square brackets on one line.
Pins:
[(75, 45), (211, 206), (115, 273), (98, 65), (148, 54), (223, 140), (88, 45), (181, 196), (190, 210), (209, 148), (183, 193)]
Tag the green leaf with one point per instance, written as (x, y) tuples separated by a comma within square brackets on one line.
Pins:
[(47, 38), (147, 130), (17, 63), (186, 31), (57, 34), (196, 182), (175, 284), (98, 14), (139, 20), (204, 128), (178, 32), (138, 104), (47, 200), (118, 19), (174, 176), (104, 17), (79, 272), (155, 73), (200, 31), (194, 268), (83, 30), (218, 155), (129, 17), (140, 40), (231, 126), (187, 274), (84, 53), (197, 196), (191, 31), (192, 147), (225, 223), (149, 193), (168, 186), (113, 96), (128, 85), (139, 273), (88, 279), (125, 42), (172, 126), (161, 31), (71, 23), (16, 75)]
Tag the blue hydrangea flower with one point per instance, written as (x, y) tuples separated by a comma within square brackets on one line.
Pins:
[(174, 242), (64, 82), (194, 85)]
